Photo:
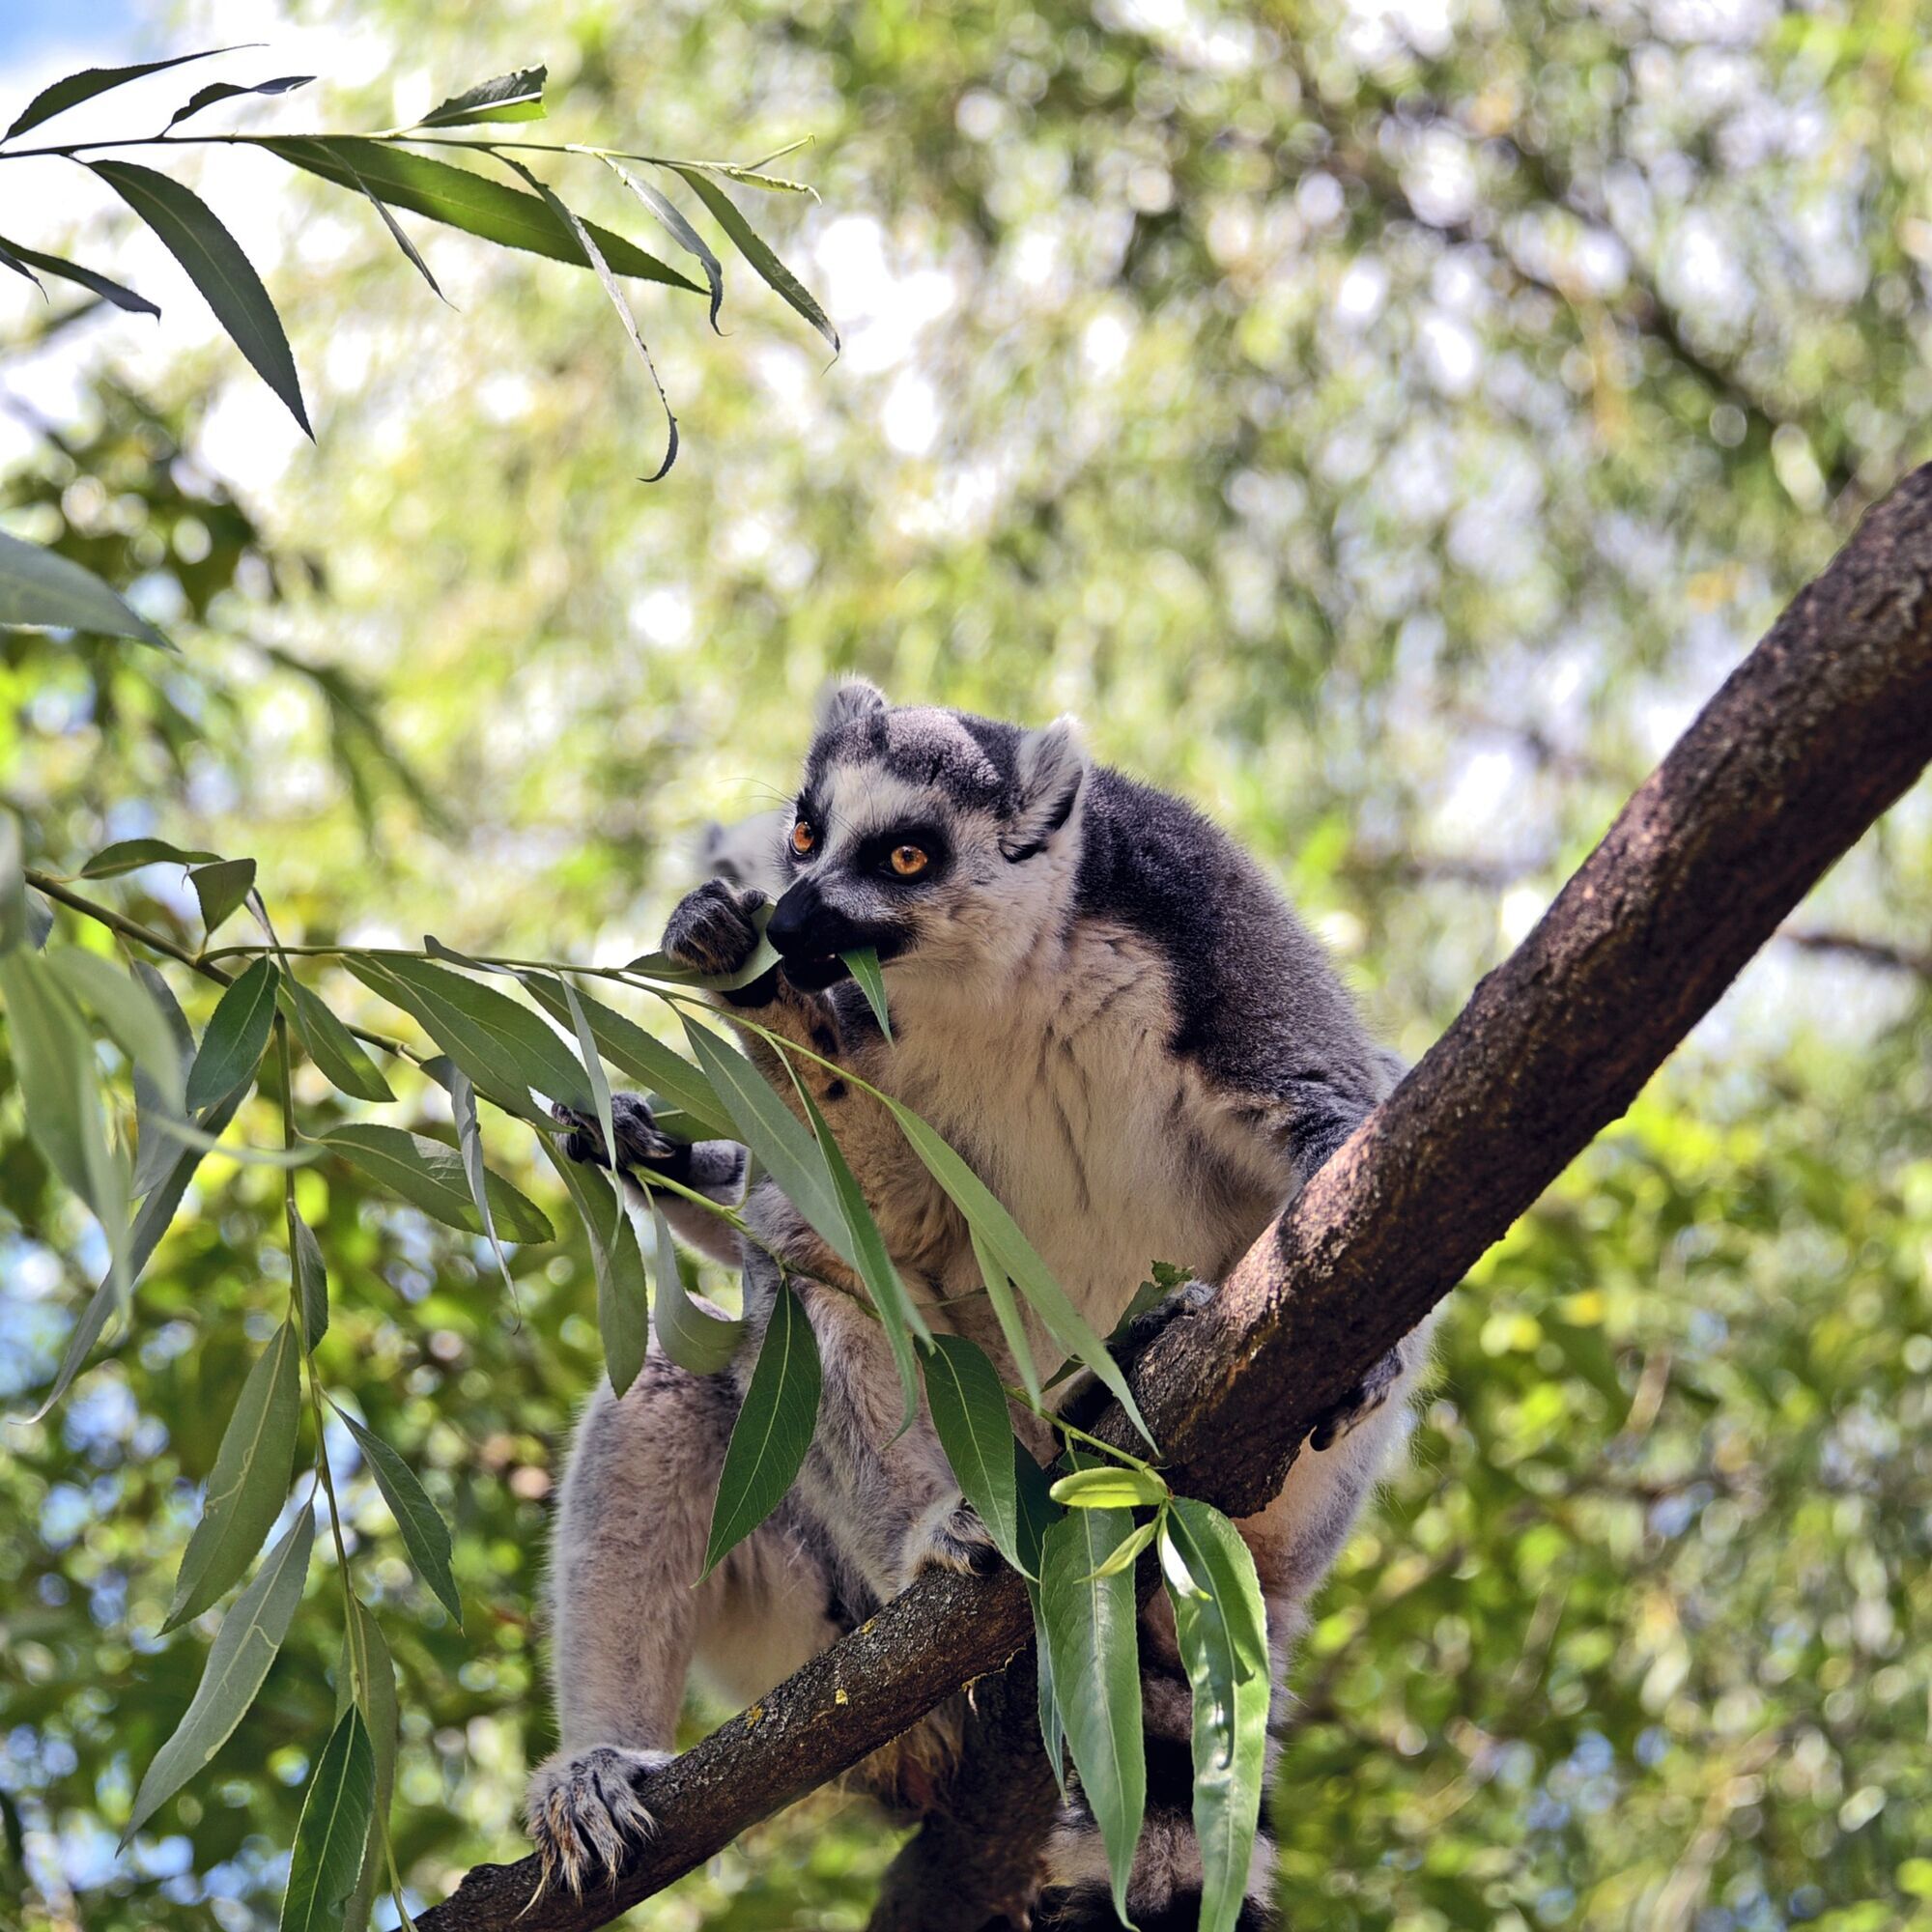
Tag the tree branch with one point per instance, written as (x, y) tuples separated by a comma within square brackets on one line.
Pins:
[(1821, 729)]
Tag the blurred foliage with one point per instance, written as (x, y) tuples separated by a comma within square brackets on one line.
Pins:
[(1383, 428)]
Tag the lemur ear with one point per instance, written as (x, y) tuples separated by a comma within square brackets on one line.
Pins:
[(848, 702), (1048, 772)]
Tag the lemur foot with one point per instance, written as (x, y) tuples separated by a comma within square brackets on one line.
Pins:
[(949, 1536), (1360, 1403), (710, 929), (639, 1142), (585, 1812)]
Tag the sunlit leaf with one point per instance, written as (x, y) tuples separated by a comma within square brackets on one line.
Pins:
[(129, 855), (1128, 1552), (76, 87), (969, 1414), (243, 1648), (249, 1483), (221, 889), (193, 235), (425, 1534), (773, 1430), (334, 1829), (510, 97), (128, 1013), (864, 966), (87, 278), (232, 1047), (1110, 1487), (428, 1175), (691, 1337), (40, 589), (756, 251)]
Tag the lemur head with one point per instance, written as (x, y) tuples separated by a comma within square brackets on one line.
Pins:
[(946, 842)]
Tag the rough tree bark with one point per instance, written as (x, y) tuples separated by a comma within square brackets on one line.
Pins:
[(1826, 723)]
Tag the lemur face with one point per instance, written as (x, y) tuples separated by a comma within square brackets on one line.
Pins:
[(933, 837)]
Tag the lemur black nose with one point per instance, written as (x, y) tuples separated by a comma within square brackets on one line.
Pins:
[(796, 920)]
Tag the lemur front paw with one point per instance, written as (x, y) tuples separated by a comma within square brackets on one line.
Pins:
[(710, 929), (1360, 1403), (585, 1812), (949, 1536), (639, 1142)]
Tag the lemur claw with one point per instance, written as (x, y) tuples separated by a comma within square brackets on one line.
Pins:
[(956, 1541), (639, 1142), (585, 1813), (1360, 1403), (710, 929)]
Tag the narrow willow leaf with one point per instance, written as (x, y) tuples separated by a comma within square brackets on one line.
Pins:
[(608, 280), (594, 1068), (371, 1679), (623, 1320), (400, 236), (76, 87), (998, 1235), (155, 1153), (42, 590), (1091, 1640), (334, 1829), (898, 1314), (756, 251), (510, 97), (680, 231), (8, 259), (864, 966), (969, 1413), (311, 1275), (1109, 1488), (243, 1648), (626, 1045), (186, 1134), (1006, 1311), (469, 1144), (428, 1175), (1129, 1553), (488, 1034), (87, 278), (473, 201), (232, 1047), (249, 1483), (129, 855), (128, 1012), (1037, 1512), (1220, 1627), (221, 889), (228, 90), (774, 1134), (693, 1338), (195, 238), (425, 1534), (333, 1048), (773, 1428), (15, 929)]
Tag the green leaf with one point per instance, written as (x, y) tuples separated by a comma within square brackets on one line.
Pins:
[(370, 1677), (1037, 1513), (1093, 1643), (471, 202), (609, 282), (333, 1048), (680, 231), (1129, 1553), (749, 244), (249, 1483), (425, 1534), (997, 1237), (693, 1339), (40, 589), (969, 1413), (898, 1314), (1110, 1487), (334, 1829), (125, 1008), (76, 87), (195, 238), (429, 1175), (130, 855), (864, 966), (232, 1047), (773, 1428), (311, 1274), (15, 929), (87, 278), (626, 1045), (155, 1153), (243, 1648), (470, 1146), (623, 1320), (510, 97), (221, 888), (1006, 1311), (400, 236), (490, 1036), (186, 1134), (228, 90), (774, 1133), (1220, 1626)]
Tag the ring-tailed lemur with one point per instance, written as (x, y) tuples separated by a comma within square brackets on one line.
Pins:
[(1101, 1002)]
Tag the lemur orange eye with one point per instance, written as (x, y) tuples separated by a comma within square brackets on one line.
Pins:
[(909, 860), (802, 837)]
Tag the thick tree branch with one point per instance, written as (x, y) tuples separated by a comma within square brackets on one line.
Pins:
[(1820, 729)]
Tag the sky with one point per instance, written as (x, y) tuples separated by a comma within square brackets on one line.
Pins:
[(104, 31)]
